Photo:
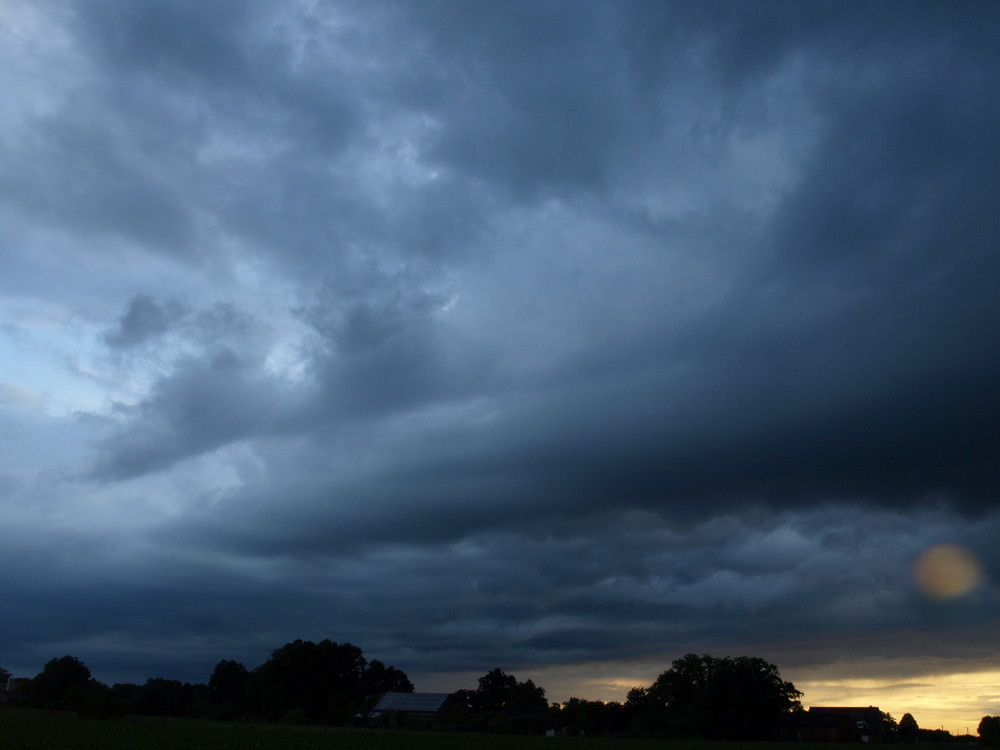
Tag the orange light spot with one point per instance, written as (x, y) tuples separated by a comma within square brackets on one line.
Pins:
[(946, 571)]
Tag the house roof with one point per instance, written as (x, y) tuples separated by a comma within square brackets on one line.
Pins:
[(414, 703), (858, 711)]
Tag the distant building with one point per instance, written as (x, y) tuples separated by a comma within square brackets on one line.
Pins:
[(12, 691), (393, 708), (834, 724)]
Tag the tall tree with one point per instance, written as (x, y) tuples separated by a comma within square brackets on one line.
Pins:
[(502, 704), (501, 692), (305, 675), (526, 698), (228, 689), (325, 681), (890, 728), (989, 730), (61, 684), (721, 698), (493, 691), (908, 730)]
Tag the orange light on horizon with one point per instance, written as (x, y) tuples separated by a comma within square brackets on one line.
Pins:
[(954, 702), (953, 697)]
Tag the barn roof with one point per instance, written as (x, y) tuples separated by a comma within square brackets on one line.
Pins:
[(414, 703)]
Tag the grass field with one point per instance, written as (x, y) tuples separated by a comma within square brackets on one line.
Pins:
[(27, 729)]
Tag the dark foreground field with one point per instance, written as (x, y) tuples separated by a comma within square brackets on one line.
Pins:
[(27, 729)]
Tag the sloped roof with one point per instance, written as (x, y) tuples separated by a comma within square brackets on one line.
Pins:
[(855, 712), (413, 703)]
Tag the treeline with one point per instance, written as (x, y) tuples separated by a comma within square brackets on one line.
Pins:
[(333, 683), (302, 682), (700, 696), (906, 731)]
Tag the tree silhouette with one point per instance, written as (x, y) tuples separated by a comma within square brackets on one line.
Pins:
[(501, 692), (989, 730), (306, 676), (61, 684), (908, 730), (503, 705), (593, 717), (890, 728), (493, 692), (719, 698), (322, 682), (228, 689)]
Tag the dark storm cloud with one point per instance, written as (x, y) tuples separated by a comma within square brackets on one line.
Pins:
[(845, 360), (869, 315), (524, 334), (794, 590)]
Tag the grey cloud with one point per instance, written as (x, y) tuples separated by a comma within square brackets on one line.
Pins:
[(173, 38), (204, 405), (68, 174), (539, 109), (144, 319), (382, 349), (367, 307), (235, 55), (217, 394), (224, 324), (129, 156)]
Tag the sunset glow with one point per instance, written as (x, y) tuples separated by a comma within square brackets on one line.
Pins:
[(954, 702)]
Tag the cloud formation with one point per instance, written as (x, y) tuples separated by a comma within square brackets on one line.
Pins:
[(531, 335)]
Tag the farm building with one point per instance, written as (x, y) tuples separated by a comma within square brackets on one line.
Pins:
[(834, 724), (396, 707)]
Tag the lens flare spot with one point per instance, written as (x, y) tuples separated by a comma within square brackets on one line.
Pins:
[(946, 571)]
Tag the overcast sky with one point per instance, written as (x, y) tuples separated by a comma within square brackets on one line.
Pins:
[(564, 337)]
